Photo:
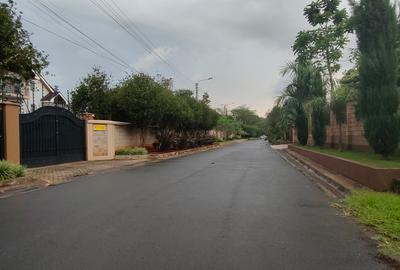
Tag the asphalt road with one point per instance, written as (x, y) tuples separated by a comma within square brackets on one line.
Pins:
[(241, 207)]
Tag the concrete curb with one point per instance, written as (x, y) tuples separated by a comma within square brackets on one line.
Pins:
[(335, 184), (333, 187), (31, 183)]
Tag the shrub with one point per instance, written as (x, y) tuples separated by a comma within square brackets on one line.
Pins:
[(10, 171), (302, 127), (135, 151), (320, 119)]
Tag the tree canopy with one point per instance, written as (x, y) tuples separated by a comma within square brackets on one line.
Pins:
[(323, 45), (377, 31), (93, 95), (18, 56)]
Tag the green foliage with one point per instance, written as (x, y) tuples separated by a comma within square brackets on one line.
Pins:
[(17, 53), (252, 124), (306, 85), (135, 151), (277, 125), (339, 100), (136, 100), (320, 119), (10, 171), (377, 31), (180, 121), (302, 127), (323, 44), (93, 95), (350, 84), (338, 105), (380, 211), (230, 126)]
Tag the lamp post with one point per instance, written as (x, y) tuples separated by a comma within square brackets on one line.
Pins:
[(197, 86)]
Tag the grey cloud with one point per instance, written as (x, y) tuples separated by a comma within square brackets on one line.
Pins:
[(242, 43)]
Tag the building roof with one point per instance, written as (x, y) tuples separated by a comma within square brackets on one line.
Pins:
[(53, 93), (52, 96)]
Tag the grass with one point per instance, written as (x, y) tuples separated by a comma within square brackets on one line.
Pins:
[(10, 171), (367, 158), (133, 151), (380, 211)]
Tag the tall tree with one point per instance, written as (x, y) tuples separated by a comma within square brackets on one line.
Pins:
[(323, 45), (93, 95), (306, 85), (376, 28), (18, 56), (277, 125), (135, 100), (338, 107)]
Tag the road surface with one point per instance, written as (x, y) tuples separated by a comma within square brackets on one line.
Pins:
[(241, 207)]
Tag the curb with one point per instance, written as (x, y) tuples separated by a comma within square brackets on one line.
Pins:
[(336, 185), (30, 183), (333, 188)]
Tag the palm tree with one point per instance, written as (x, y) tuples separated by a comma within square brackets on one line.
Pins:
[(298, 98)]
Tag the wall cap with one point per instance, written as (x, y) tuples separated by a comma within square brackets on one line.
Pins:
[(10, 103), (344, 159), (108, 122)]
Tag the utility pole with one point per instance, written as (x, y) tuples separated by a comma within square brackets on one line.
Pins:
[(197, 91)]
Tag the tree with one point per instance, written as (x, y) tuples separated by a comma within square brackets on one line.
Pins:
[(323, 45), (376, 29), (93, 95), (229, 126), (252, 124), (135, 100), (306, 85), (338, 107), (277, 125), (172, 118), (320, 119), (18, 56)]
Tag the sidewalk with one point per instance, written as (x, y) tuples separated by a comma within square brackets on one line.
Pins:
[(37, 178)]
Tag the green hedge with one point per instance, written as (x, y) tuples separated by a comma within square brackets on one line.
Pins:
[(134, 151)]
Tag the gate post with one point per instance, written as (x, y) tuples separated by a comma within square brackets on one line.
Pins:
[(11, 132)]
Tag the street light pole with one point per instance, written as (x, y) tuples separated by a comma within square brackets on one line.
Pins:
[(197, 91), (197, 86)]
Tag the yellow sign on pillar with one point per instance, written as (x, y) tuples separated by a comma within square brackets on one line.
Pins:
[(99, 127)]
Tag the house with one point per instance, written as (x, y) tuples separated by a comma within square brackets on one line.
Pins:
[(33, 94)]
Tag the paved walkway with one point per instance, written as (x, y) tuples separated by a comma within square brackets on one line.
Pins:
[(240, 207)]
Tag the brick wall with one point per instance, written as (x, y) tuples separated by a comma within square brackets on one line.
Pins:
[(352, 132)]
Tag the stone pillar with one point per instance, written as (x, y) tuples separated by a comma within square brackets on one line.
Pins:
[(11, 132)]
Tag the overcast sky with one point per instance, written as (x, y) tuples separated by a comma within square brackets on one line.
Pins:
[(241, 43)]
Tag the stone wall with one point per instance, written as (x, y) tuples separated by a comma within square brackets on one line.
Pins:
[(103, 138), (129, 136)]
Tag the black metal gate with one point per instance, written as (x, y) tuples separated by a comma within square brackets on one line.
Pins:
[(51, 135)]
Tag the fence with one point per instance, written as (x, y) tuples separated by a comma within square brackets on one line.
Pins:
[(53, 135)]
